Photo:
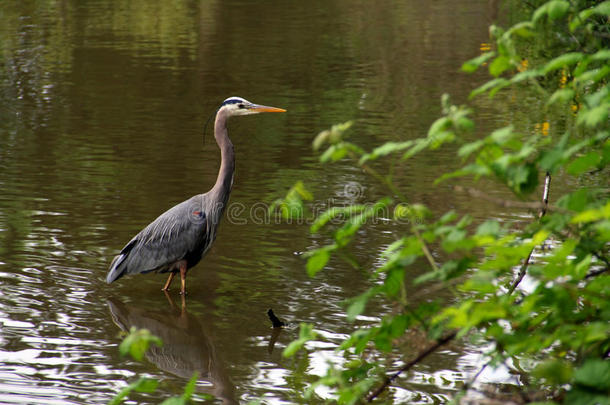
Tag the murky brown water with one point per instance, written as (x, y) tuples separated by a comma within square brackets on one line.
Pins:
[(102, 105)]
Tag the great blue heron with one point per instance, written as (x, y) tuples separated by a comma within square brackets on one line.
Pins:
[(180, 237)]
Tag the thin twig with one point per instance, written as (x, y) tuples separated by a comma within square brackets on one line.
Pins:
[(545, 205), (422, 355), (594, 273)]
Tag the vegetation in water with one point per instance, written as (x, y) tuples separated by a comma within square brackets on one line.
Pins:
[(555, 334)]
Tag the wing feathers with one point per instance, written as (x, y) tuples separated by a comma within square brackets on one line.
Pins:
[(176, 233)]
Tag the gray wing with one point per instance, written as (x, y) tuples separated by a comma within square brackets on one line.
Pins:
[(176, 233)]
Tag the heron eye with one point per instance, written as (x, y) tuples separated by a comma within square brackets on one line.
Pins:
[(241, 106)]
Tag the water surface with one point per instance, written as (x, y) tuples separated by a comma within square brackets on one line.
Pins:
[(102, 108)]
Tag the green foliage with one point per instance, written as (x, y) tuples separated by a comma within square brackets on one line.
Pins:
[(292, 206), (561, 325), (137, 342), (306, 333)]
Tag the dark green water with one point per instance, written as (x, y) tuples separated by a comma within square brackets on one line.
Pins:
[(102, 108)]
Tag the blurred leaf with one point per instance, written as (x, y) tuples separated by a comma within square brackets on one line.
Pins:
[(566, 59), (502, 135), (561, 96), (584, 163), (384, 150), (489, 227), (595, 373), (136, 343), (438, 126), (499, 65), (523, 29), (336, 212), (497, 83), (331, 136), (357, 304), (595, 116), (526, 75), (601, 9), (469, 148), (473, 64), (317, 259), (553, 9), (146, 385), (415, 213), (554, 371), (306, 333)]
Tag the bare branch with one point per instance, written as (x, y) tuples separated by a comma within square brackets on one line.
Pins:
[(544, 206), (422, 355)]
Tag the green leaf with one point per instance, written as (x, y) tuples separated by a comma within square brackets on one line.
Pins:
[(174, 401), (499, 65), (595, 373), (473, 64), (334, 153), (331, 136), (358, 304), (384, 150), (497, 83), (394, 281), (146, 385), (561, 96), (438, 126), (592, 118), (136, 343), (415, 213), (523, 29), (469, 148), (526, 75), (553, 9), (502, 135), (593, 76), (318, 258), (335, 212), (592, 215), (584, 163), (557, 9), (567, 59), (489, 227), (554, 371), (306, 333)]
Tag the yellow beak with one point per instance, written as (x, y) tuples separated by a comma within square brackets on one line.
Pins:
[(264, 108)]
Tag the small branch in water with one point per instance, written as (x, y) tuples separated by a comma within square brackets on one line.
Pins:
[(274, 319), (422, 355)]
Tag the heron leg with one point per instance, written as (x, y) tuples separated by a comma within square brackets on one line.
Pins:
[(183, 278), (169, 281)]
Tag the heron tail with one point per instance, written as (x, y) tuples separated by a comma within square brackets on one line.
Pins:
[(116, 271), (118, 266)]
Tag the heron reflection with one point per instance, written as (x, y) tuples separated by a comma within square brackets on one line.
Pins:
[(187, 347)]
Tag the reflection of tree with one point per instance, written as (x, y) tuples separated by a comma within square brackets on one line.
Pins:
[(186, 349)]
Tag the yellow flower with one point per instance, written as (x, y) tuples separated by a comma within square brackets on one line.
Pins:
[(542, 128), (563, 79), (523, 65), (485, 47)]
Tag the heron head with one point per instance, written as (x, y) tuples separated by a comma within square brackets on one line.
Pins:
[(240, 106)]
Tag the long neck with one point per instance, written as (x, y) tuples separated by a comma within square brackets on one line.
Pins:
[(224, 181)]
